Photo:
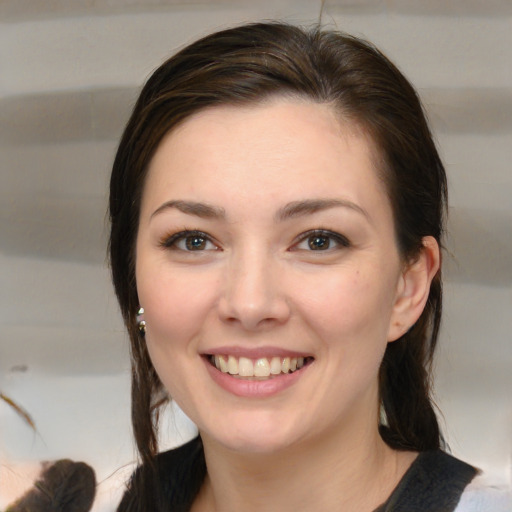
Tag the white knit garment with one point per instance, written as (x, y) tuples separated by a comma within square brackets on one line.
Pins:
[(480, 497)]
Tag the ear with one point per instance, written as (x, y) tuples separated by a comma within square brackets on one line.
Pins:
[(413, 288)]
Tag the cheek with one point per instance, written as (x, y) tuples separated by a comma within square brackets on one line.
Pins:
[(176, 304), (349, 301), (176, 311)]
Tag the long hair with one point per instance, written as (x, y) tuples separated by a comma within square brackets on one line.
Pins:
[(246, 65)]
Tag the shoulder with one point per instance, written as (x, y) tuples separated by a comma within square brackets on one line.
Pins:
[(172, 481), (480, 496), (178, 463), (435, 481), (184, 454)]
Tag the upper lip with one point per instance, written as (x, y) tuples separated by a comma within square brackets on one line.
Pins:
[(255, 352)]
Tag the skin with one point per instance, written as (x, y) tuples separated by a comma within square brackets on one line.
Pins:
[(256, 284)]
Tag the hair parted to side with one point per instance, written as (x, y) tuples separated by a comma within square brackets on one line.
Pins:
[(249, 64)]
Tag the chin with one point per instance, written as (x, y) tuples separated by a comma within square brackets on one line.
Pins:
[(253, 436), (255, 445)]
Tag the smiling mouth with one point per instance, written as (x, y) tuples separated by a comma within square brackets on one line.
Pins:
[(262, 368)]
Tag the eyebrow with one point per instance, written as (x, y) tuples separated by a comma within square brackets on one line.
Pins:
[(289, 211), (202, 210), (308, 206)]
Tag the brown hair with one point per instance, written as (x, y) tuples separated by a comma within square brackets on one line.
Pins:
[(62, 485), (246, 65)]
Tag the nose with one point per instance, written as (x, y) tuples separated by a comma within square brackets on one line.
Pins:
[(253, 295)]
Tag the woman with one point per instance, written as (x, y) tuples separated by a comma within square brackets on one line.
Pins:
[(277, 208)]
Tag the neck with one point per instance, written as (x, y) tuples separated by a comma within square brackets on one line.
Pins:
[(351, 471)]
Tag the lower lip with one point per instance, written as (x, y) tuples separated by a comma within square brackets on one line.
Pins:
[(254, 388)]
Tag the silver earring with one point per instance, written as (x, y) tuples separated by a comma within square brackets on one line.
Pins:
[(141, 323), (383, 417)]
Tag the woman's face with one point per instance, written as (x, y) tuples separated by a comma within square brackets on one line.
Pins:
[(266, 243)]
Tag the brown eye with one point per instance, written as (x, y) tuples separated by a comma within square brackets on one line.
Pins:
[(189, 241), (195, 243), (319, 242)]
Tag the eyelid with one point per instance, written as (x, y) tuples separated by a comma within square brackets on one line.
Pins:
[(333, 235), (170, 241)]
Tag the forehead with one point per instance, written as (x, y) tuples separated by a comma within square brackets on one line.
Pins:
[(279, 148)]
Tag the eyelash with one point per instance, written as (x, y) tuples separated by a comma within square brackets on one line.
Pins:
[(171, 241), (322, 233)]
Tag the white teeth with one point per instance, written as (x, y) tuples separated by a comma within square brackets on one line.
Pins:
[(223, 365), (232, 365), (275, 366), (262, 367), (245, 367)]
